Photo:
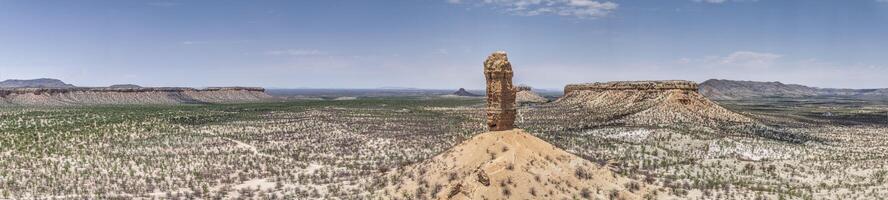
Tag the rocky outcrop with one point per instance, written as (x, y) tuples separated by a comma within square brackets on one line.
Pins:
[(118, 96), (463, 93), (633, 86), (35, 83), (500, 92), (734, 90)]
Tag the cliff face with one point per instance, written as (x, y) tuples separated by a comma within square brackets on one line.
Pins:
[(120, 96), (633, 86), (733, 90), (500, 92)]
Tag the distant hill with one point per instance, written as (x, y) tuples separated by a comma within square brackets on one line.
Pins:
[(463, 92), (34, 83), (124, 86), (732, 90)]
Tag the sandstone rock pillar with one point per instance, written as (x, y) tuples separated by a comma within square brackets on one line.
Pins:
[(500, 92)]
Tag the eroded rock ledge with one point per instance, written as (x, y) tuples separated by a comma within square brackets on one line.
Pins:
[(633, 85)]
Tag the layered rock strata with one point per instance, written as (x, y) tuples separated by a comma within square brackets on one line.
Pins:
[(500, 92), (633, 85), (117, 96)]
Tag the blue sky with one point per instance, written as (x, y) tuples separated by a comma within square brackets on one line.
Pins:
[(442, 43)]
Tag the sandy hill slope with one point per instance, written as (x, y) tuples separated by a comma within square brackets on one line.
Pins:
[(509, 165), (528, 96)]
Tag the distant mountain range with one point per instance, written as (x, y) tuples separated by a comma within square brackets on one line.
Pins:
[(34, 83), (718, 89)]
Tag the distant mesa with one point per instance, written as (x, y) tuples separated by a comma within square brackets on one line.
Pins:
[(34, 83), (125, 86), (463, 93), (642, 103), (52, 92), (664, 104), (718, 89)]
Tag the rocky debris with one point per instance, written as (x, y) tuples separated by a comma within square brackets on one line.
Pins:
[(735, 90), (463, 93), (483, 178), (525, 95), (35, 83), (510, 165), (116, 96), (633, 85), (500, 92), (125, 86)]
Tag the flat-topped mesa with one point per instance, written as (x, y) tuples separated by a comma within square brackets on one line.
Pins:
[(8, 91), (633, 85), (500, 92)]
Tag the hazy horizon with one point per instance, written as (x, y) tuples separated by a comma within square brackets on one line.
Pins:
[(441, 44)]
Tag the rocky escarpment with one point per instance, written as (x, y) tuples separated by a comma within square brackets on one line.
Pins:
[(735, 90), (633, 86), (118, 96), (642, 103), (665, 104)]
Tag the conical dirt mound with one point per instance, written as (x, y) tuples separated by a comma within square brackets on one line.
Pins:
[(527, 96), (509, 165)]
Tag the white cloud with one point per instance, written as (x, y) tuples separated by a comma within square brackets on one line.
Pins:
[(296, 52), (749, 58), (584, 9)]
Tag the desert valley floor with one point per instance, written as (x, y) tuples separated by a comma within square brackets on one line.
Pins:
[(362, 148)]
